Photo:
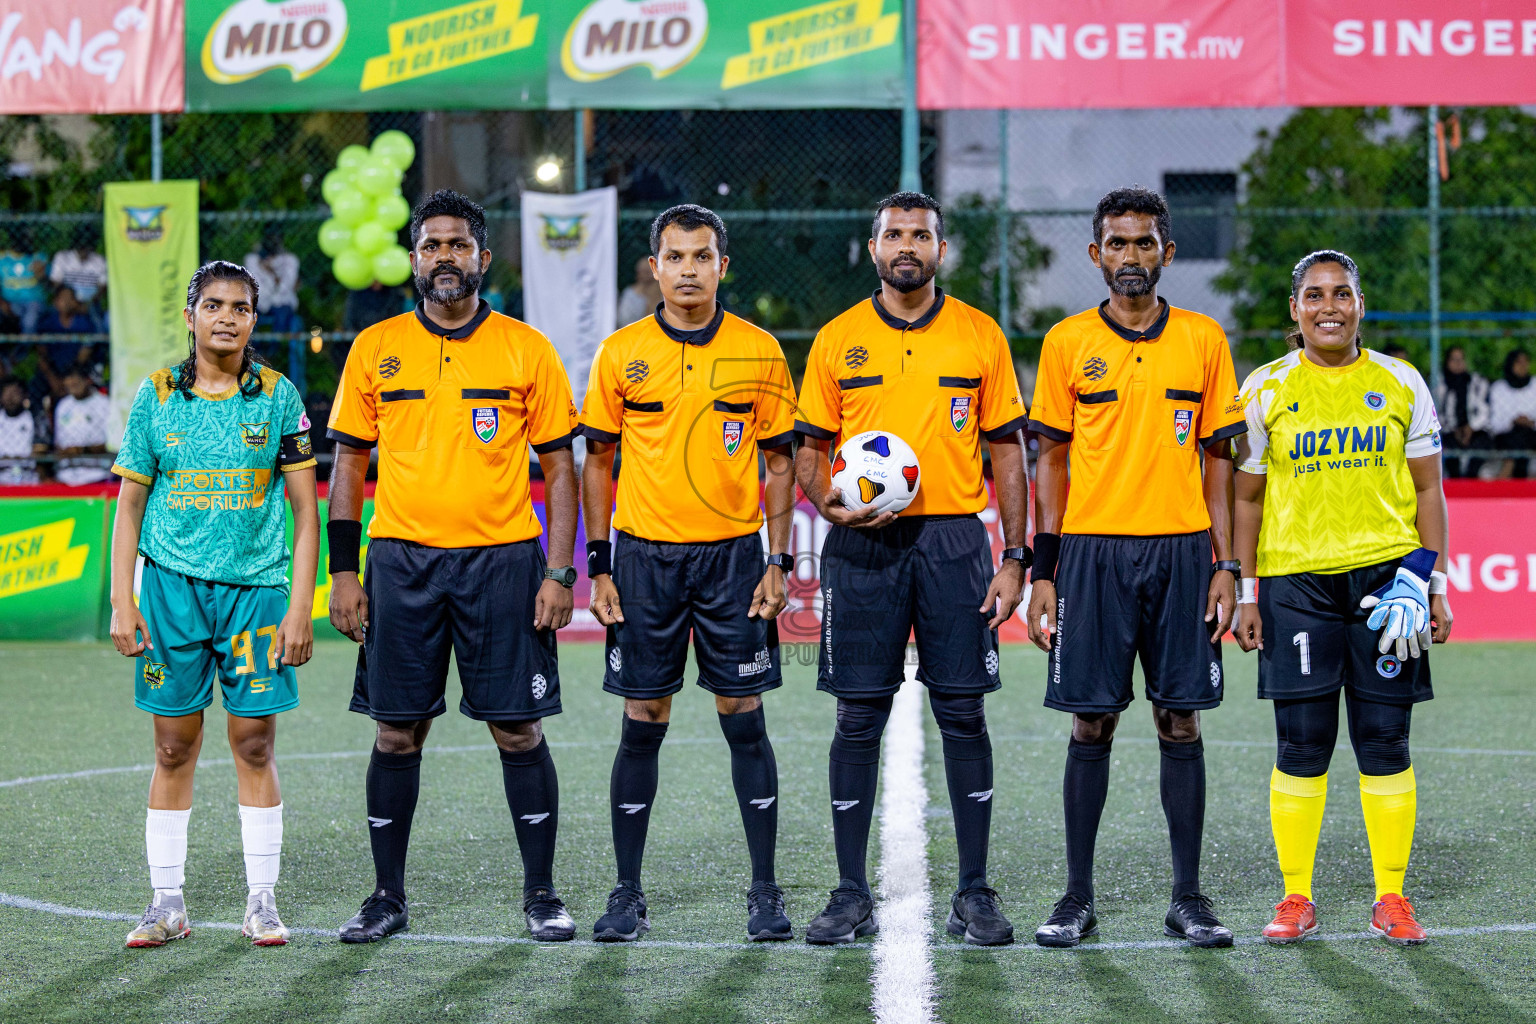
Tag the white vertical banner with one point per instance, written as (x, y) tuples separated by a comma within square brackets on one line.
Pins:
[(571, 273)]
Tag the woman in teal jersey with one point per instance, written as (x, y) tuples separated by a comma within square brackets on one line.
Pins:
[(209, 447)]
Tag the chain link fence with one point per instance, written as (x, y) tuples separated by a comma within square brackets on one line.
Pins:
[(1251, 192)]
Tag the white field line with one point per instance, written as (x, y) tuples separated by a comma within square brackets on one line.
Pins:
[(903, 978), (59, 910)]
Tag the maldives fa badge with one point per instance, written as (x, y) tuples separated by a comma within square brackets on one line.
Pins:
[(730, 433), (486, 422), (960, 412), (1182, 418)]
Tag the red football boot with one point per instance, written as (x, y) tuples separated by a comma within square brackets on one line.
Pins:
[(1295, 919), (1392, 919)]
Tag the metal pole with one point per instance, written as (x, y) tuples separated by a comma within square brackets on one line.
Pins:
[(911, 169), (579, 175), (1433, 164), (155, 160), (1004, 270)]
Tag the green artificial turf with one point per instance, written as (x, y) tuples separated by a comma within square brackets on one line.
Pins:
[(78, 843)]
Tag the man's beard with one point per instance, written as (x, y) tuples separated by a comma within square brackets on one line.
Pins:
[(467, 286), (907, 277), (1133, 282)]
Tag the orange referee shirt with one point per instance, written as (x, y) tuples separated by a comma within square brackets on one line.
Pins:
[(1135, 405), (692, 409), (453, 414), (940, 383)]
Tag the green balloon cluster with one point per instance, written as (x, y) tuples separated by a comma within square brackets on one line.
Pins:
[(367, 212)]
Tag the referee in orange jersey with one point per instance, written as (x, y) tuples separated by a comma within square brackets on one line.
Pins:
[(453, 395), (1134, 390)]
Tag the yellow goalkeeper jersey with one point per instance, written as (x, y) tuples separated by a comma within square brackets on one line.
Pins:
[(1334, 444)]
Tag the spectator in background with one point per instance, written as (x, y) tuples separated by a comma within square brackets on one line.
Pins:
[(1512, 412), (18, 436), (84, 270), (1461, 399), (10, 323), (1397, 351), (277, 273), (369, 306), (638, 300), (80, 432), (22, 274), (67, 316)]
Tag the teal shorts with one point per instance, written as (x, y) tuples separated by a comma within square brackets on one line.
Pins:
[(200, 627)]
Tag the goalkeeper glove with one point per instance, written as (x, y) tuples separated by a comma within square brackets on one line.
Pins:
[(1400, 608)]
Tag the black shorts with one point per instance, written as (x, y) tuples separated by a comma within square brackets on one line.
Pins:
[(1119, 598), (1316, 640), (667, 589), (923, 574), (476, 602)]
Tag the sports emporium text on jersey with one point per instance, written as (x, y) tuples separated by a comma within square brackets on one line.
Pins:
[(217, 490)]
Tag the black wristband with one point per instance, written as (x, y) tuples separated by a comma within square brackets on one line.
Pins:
[(599, 558), (1047, 548), (344, 537)]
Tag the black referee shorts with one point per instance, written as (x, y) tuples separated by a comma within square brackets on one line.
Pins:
[(668, 589), (922, 574), (476, 602), (1316, 640), (1119, 598)]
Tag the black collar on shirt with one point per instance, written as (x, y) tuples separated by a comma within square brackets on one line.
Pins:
[(896, 323), (1150, 334), (457, 333), (703, 336)]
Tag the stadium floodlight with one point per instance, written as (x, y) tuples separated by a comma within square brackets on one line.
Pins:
[(547, 171)]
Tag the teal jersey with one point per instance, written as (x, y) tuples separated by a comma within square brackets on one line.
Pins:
[(214, 467)]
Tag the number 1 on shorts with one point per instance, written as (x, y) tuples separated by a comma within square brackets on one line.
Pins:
[(1304, 642)]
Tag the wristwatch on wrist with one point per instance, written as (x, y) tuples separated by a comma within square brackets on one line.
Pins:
[(566, 577), (783, 560), (1023, 556), (1231, 565)]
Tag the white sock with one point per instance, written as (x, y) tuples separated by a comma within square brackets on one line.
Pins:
[(165, 845), (261, 834)]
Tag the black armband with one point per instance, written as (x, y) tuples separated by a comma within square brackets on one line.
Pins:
[(1047, 548), (599, 558), (344, 537)]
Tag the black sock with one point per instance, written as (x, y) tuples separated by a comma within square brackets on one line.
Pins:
[(1084, 789), (394, 780), (755, 776), (1183, 788), (533, 797), (853, 771), (632, 790), (968, 770)]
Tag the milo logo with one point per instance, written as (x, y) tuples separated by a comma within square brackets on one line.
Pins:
[(253, 36), (611, 35)]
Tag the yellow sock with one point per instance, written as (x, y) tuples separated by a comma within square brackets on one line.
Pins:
[(1296, 817), (1390, 804)]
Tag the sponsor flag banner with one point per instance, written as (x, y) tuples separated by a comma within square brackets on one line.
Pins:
[(1097, 53), (571, 273), (1410, 52), (150, 228), (533, 54), (91, 57)]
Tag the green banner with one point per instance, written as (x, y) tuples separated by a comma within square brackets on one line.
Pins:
[(53, 568), (534, 54), (150, 229)]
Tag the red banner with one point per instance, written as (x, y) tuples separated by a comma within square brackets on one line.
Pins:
[(91, 56), (1224, 53), (1410, 52)]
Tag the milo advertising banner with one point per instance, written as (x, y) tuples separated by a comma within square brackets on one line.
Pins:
[(536, 54)]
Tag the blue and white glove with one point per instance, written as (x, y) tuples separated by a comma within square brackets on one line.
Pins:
[(1400, 609)]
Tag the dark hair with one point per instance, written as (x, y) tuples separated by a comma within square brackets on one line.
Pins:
[(186, 371), (1299, 274), (1511, 356), (908, 201), (445, 202), (1134, 199), (689, 217), (6, 382)]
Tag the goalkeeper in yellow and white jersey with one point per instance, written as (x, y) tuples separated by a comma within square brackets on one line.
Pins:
[(1340, 512)]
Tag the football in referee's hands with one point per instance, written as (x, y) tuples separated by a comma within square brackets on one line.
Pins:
[(876, 468)]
